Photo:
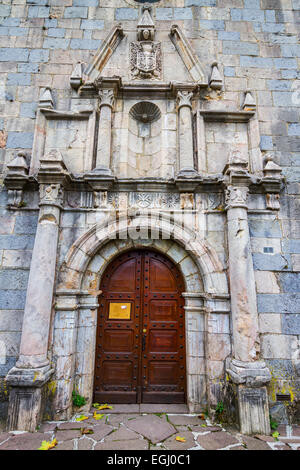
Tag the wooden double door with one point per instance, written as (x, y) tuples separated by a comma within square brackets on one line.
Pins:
[(140, 347)]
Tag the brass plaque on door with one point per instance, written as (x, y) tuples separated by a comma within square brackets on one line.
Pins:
[(119, 311)]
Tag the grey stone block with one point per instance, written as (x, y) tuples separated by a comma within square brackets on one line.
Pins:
[(76, 12), (269, 262), (183, 14), (294, 129), (56, 32), (264, 228), (5, 10), (245, 48), (22, 140), (164, 14), (14, 279), (85, 3), (92, 24), (38, 12), (18, 79), (212, 24), (56, 43), (257, 62), (89, 44), (280, 85), (200, 3), (9, 364), (291, 324), (16, 242), (229, 35), (291, 246), (290, 282), (126, 14), (12, 300), (278, 303), (26, 224), (28, 110)]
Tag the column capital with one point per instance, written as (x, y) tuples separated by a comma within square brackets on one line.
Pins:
[(106, 97), (184, 98), (236, 196), (252, 374)]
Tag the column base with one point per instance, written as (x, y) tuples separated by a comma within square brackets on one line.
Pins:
[(248, 381), (25, 399)]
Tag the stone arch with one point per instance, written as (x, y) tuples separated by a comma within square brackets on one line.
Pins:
[(77, 302), (163, 228)]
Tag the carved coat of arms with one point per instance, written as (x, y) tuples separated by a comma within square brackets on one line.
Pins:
[(145, 60)]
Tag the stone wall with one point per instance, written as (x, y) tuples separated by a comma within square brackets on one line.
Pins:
[(255, 43)]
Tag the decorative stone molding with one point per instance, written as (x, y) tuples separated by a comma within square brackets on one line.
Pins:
[(251, 374), (236, 196), (216, 81), (184, 98), (188, 56), (46, 99), (16, 178), (146, 60), (52, 194), (106, 98), (146, 26), (76, 78), (104, 53), (249, 103)]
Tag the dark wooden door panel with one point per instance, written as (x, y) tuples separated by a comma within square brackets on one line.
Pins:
[(140, 336)]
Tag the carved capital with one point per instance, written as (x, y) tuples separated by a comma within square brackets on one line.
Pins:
[(106, 97), (236, 196), (51, 194), (184, 98)]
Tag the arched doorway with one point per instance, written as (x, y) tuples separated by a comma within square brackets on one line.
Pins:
[(140, 346)]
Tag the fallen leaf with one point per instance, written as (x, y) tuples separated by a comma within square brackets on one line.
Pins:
[(275, 435), (104, 407), (86, 431), (180, 439), (82, 418), (48, 445), (97, 416), (202, 416)]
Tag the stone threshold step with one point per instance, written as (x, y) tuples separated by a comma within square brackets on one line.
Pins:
[(145, 408)]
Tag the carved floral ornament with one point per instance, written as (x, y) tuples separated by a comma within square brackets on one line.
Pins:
[(184, 98), (106, 97), (236, 196)]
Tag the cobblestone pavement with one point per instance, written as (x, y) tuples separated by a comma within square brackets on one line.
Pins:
[(118, 430)]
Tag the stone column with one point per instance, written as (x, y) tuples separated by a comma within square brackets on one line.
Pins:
[(248, 374), (186, 148), (33, 368), (103, 158)]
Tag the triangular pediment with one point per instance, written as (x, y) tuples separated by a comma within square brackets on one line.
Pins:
[(122, 54)]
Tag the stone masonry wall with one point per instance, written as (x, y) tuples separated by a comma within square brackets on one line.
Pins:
[(256, 44)]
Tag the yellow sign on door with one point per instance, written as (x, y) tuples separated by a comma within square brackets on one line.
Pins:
[(119, 311)]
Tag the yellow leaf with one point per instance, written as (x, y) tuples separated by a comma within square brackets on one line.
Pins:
[(48, 445), (97, 416), (82, 418), (104, 407), (180, 439)]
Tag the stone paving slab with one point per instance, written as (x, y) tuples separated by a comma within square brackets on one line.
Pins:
[(155, 432), (172, 444), (152, 427), (216, 440), (137, 444)]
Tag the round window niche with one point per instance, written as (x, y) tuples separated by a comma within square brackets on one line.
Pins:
[(145, 112)]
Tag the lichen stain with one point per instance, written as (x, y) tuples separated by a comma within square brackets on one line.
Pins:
[(52, 387)]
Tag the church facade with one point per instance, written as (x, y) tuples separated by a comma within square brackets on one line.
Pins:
[(150, 222)]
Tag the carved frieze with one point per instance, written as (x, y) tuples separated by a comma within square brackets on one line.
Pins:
[(51, 194), (146, 60)]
